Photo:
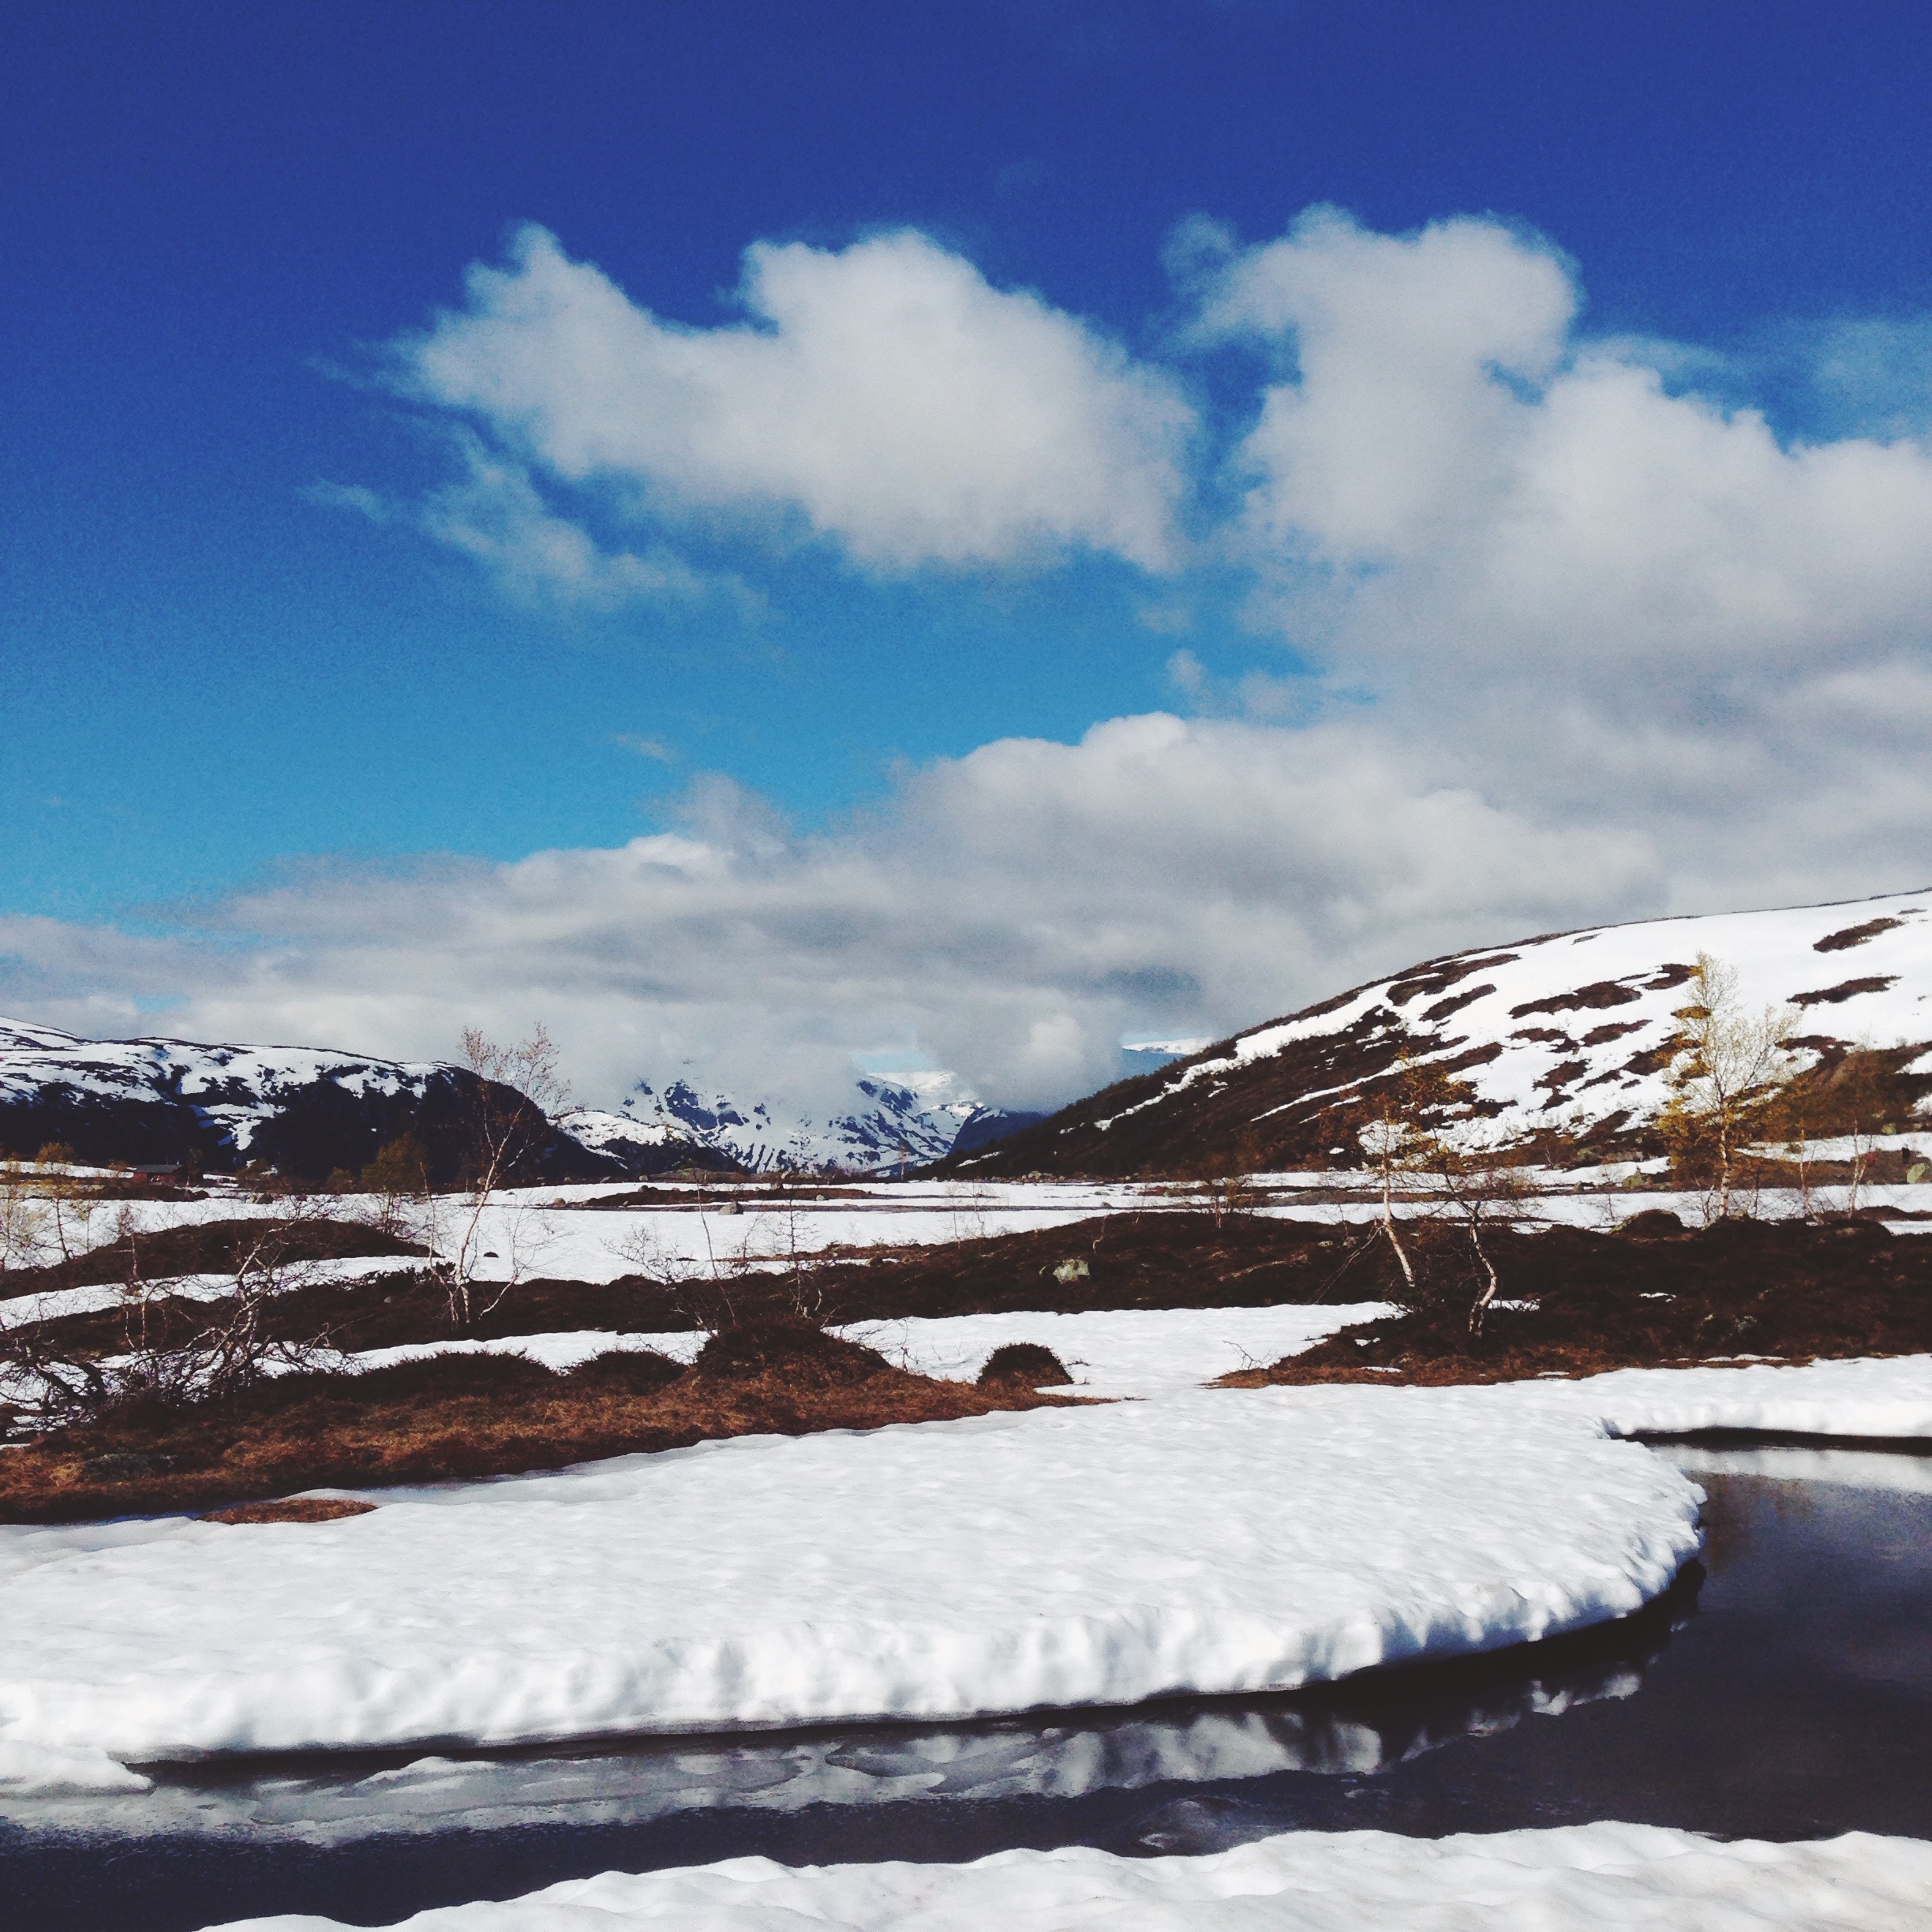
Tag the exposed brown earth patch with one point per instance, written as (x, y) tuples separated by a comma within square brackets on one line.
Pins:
[(1024, 1364), (1615, 1029), (1171, 1259), (1850, 936), (1603, 993), (1653, 1295), (1442, 1009), (1848, 989), (747, 1197), (1434, 978), (466, 1417)]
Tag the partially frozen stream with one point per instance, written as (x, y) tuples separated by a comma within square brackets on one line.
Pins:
[(1786, 1692)]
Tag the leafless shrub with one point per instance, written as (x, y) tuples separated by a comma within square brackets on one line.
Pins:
[(169, 1358)]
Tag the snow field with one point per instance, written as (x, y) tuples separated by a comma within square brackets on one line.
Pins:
[(1575, 1878), (1211, 1543), (52, 1303)]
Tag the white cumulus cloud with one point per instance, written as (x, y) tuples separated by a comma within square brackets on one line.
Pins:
[(884, 396), (1012, 914)]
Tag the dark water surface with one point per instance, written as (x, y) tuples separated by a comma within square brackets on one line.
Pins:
[(1784, 1690)]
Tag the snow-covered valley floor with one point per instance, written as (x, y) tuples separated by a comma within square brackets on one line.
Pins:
[(1182, 1540)]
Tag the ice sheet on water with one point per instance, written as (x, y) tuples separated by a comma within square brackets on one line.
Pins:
[(1068, 1756)]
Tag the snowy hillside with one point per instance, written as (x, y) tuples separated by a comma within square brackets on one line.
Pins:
[(1568, 1033), (306, 1111), (890, 1125)]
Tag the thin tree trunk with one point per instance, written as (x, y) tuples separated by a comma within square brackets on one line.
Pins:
[(1482, 1307), (1401, 1254)]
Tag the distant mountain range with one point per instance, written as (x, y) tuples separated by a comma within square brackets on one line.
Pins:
[(1566, 1036), (892, 1126), (310, 1112)]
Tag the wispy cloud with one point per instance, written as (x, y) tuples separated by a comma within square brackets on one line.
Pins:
[(645, 747), (494, 515)]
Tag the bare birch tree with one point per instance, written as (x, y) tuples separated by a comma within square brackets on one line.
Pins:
[(1730, 1065), (517, 1089)]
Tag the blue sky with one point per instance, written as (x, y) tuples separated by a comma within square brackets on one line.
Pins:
[(237, 651)]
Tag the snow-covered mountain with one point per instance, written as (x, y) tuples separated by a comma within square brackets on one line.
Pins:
[(1567, 1033), (303, 1109), (889, 1126), (309, 1111)]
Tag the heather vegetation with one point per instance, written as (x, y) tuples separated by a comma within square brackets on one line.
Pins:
[(466, 1416), (1653, 1292)]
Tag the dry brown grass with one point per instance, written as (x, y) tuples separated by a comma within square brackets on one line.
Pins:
[(468, 1416), (1654, 1295), (1024, 1364)]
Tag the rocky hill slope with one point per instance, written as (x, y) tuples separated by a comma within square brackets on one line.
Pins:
[(1566, 1038)]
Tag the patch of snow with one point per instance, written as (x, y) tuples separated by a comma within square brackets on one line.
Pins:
[(51, 1303), (1118, 1352), (1215, 1543), (1890, 1396), (1114, 1353), (1572, 1878)]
